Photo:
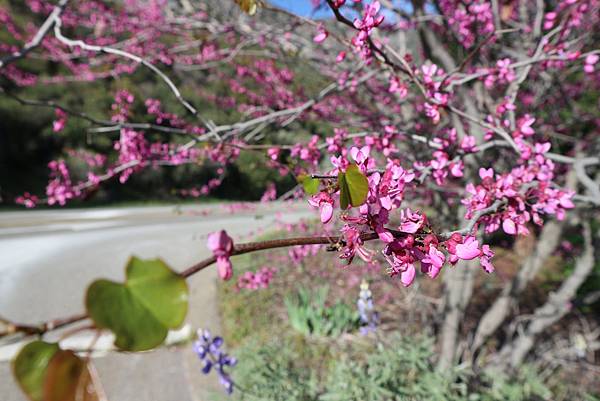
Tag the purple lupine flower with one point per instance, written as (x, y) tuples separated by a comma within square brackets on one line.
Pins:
[(212, 355), (369, 319)]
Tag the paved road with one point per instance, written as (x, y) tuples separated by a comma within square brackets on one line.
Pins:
[(48, 257)]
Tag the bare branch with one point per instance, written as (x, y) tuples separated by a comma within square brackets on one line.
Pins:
[(52, 19)]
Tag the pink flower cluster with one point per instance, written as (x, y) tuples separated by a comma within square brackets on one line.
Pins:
[(365, 26), (470, 20), (526, 193), (60, 122), (28, 200), (60, 188), (413, 241), (403, 253), (298, 253), (205, 189), (270, 193), (432, 75), (256, 280), (309, 152), (504, 73)]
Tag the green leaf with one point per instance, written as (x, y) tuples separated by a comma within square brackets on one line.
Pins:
[(141, 311), (30, 365), (354, 187), (310, 185), (248, 6)]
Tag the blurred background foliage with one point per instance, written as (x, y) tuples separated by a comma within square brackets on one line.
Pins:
[(28, 144)]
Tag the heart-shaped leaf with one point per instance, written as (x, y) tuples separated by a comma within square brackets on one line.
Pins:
[(30, 366), (140, 311), (354, 187)]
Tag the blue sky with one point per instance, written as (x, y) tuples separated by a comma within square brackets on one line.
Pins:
[(300, 7), (304, 8)]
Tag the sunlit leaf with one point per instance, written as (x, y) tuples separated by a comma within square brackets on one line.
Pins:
[(248, 6), (29, 367), (140, 311), (354, 187)]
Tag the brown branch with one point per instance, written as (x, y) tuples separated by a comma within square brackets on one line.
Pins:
[(239, 249)]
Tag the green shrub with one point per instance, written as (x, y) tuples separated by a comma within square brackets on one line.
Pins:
[(308, 313), (401, 370)]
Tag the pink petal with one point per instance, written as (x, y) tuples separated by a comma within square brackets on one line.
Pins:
[(320, 37), (326, 212), (408, 275), (224, 268), (509, 227), (469, 249)]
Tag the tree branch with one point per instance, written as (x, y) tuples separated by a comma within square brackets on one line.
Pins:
[(52, 19)]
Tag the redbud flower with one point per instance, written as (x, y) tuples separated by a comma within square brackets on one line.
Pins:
[(469, 249), (60, 122), (321, 36), (408, 275), (221, 246), (411, 221), (433, 262), (484, 259), (590, 61), (324, 202)]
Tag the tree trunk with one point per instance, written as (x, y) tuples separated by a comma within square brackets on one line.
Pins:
[(557, 305), (458, 287), (497, 313)]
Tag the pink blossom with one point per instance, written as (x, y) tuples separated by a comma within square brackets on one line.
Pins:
[(270, 193), (590, 61), (408, 275), (221, 246), (411, 221), (509, 226), (432, 263), (469, 249), (60, 122), (365, 25), (360, 155), (485, 258), (256, 280), (524, 124), (354, 245), (324, 202), (321, 36)]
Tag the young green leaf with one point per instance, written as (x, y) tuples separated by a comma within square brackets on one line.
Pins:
[(354, 187)]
